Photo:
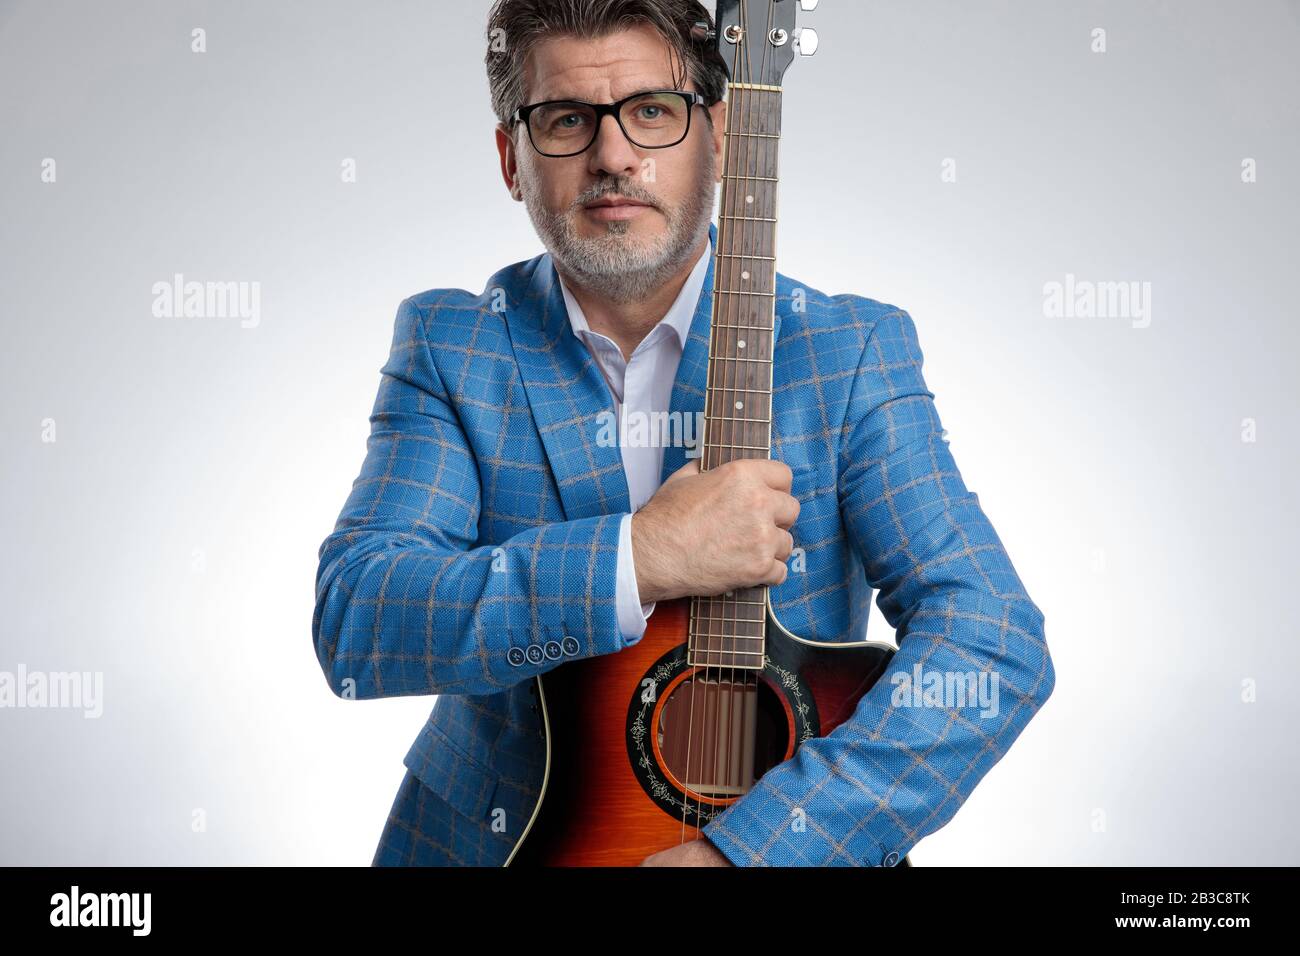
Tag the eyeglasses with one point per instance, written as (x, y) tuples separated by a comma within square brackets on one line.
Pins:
[(653, 120)]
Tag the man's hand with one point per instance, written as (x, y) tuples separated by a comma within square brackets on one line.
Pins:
[(717, 531), (699, 852)]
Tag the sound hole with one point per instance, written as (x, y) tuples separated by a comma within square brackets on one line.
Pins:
[(719, 731)]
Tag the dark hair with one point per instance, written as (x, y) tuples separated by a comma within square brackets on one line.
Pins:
[(515, 26)]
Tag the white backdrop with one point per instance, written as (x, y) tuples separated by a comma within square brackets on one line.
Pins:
[(168, 481)]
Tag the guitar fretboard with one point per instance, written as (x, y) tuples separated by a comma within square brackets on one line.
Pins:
[(727, 630)]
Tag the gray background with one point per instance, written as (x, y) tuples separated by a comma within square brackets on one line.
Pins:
[(168, 538)]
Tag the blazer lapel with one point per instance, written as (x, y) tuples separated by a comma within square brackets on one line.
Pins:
[(571, 402)]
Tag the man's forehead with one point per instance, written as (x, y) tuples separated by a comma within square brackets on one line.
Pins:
[(603, 68)]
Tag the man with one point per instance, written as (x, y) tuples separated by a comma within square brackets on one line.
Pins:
[(491, 535)]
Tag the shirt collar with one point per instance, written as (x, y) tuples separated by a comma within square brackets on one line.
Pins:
[(680, 313)]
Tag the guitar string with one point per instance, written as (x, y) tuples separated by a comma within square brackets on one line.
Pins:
[(717, 641), (752, 246), (732, 716), (691, 632), (729, 604), (695, 677)]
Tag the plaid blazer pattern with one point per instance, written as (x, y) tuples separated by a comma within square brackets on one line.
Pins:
[(477, 549)]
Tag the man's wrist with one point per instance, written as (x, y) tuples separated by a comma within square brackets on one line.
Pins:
[(643, 561)]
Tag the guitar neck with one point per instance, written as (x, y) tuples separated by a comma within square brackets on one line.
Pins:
[(738, 395), (728, 630)]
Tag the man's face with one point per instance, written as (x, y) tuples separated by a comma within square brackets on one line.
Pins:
[(624, 253)]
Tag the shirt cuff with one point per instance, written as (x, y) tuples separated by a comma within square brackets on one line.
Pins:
[(632, 614)]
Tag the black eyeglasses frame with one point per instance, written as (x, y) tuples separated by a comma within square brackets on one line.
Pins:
[(692, 99)]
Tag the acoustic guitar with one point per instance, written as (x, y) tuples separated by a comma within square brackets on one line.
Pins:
[(645, 746)]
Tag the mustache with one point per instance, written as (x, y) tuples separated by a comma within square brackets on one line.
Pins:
[(617, 189)]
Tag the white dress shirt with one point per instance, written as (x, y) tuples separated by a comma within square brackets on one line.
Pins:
[(644, 384)]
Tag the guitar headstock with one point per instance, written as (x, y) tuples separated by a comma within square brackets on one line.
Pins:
[(758, 38)]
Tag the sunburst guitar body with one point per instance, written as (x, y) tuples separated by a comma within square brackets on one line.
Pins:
[(643, 748)]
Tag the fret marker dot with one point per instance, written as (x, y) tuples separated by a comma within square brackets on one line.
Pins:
[(744, 275), (740, 344), (749, 199), (740, 404)]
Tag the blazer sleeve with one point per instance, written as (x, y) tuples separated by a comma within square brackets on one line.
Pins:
[(910, 755), (405, 604)]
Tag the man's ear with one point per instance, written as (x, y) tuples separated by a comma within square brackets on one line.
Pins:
[(509, 167), (718, 111)]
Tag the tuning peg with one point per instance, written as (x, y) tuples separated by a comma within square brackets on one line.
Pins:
[(701, 33), (807, 5), (805, 41)]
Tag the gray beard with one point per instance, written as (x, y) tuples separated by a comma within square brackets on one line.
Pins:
[(614, 265)]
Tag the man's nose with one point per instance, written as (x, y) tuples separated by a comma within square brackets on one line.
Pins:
[(612, 152)]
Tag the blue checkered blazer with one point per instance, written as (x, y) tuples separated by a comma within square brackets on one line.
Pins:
[(478, 547)]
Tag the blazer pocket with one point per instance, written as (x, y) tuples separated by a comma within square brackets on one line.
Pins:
[(451, 774)]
